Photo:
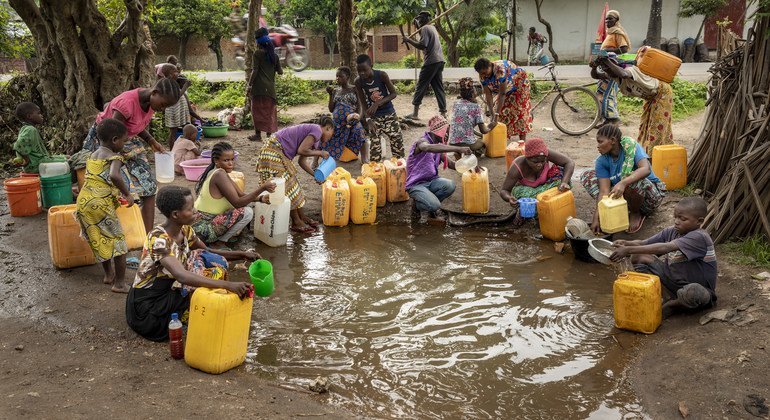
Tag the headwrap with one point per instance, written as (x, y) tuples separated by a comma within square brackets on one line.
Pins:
[(535, 147), (618, 29), (266, 44), (439, 126), (614, 13)]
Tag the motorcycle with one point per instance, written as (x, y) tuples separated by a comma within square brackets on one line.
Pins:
[(284, 39)]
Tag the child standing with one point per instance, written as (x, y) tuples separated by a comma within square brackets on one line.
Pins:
[(181, 113), (98, 200), (682, 256), (375, 89), (423, 184), (29, 147), (466, 114), (185, 147), (172, 252)]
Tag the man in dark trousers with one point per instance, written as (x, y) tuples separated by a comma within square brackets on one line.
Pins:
[(432, 65)]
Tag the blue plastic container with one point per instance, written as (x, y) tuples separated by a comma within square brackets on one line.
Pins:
[(197, 136), (544, 59), (324, 169), (527, 207)]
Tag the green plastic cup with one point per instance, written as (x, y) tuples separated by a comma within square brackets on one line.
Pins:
[(261, 273)]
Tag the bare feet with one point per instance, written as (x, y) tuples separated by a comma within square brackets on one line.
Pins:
[(255, 137), (310, 222), (109, 278), (122, 288)]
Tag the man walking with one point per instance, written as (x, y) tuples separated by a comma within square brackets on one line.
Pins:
[(432, 65)]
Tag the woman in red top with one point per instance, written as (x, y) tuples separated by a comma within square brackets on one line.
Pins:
[(134, 109)]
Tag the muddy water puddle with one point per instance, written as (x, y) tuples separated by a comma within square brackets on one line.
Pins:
[(432, 323)]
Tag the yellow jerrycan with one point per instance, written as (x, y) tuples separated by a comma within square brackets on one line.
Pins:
[(395, 175), (669, 163), (339, 173), (613, 214), (217, 331), (68, 248), (133, 226), (376, 171), (363, 201), (335, 203), (636, 302), (553, 209), (496, 141), (476, 191), (238, 179)]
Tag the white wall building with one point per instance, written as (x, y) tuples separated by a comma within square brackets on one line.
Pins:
[(574, 24)]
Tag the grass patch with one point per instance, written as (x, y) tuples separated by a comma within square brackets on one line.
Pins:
[(689, 99), (753, 251), (290, 91), (689, 190), (405, 87)]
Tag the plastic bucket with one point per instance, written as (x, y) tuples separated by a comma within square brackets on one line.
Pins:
[(544, 59), (527, 207), (23, 196), (194, 168), (57, 190), (324, 169), (580, 248), (261, 273)]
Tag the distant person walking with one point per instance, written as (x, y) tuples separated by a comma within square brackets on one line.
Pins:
[(261, 88), (432, 65), (616, 42), (535, 46)]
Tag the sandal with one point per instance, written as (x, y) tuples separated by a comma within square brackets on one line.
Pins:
[(132, 263), (305, 229), (638, 227)]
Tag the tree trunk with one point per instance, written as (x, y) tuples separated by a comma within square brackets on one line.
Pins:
[(330, 44), (216, 46), (255, 10), (547, 25), (183, 41), (345, 33), (655, 23), (511, 53), (84, 64)]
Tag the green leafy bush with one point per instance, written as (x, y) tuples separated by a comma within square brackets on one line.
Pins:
[(290, 90), (689, 99), (410, 61), (404, 87)]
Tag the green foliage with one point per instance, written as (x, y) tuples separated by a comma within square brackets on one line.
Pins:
[(183, 18), (705, 8), (404, 87), (320, 16), (15, 39), (689, 99), (689, 190), (285, 119), (387, 12), (290, 90), (410, 61), (753, 251), (158, 128)]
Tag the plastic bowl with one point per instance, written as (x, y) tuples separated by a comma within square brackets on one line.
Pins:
[(213, 131), (527, 207), (580, 248), (600, 250), (207, 154), (261, 274), (193, 169)]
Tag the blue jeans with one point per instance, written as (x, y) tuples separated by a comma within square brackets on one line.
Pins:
[(429, 195)]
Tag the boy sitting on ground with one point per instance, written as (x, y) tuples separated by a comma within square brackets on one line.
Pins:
[(682, 256), (29, 147)]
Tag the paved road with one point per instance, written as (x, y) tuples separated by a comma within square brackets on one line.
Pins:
[(696, 72)]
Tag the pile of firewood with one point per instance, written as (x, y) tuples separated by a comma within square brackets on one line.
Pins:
[(731, 161)]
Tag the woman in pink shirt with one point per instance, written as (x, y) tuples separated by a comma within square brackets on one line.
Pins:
[(135, 108)]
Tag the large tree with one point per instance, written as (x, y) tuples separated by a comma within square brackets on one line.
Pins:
[(345, 33), (705, 8), (655, 23), (82, 63), (466, 24), (319, 16)]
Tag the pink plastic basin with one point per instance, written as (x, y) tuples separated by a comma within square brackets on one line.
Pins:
[(193, 169)]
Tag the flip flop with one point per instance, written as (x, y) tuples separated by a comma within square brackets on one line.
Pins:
[(306, 229), (638, 227), (132, 263)]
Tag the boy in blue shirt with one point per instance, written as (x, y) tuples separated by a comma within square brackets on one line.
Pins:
[(623, 170), (682, 256)]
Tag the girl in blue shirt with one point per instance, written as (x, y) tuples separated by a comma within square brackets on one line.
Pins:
[(623, 170)]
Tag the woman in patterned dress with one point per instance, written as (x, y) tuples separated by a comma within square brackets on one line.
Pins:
[(346, 114), (511, 85)]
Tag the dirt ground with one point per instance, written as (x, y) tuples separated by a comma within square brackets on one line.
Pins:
[(67, 351)]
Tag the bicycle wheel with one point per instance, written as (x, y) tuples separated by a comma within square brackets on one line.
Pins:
[(575, 110)]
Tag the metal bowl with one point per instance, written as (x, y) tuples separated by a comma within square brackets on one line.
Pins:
[(600, 250)]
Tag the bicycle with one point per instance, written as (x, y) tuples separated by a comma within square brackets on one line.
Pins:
[(575, 110)]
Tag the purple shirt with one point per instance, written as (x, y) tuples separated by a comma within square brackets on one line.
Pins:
[(421, 166), (291, 137), (694, 262)]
